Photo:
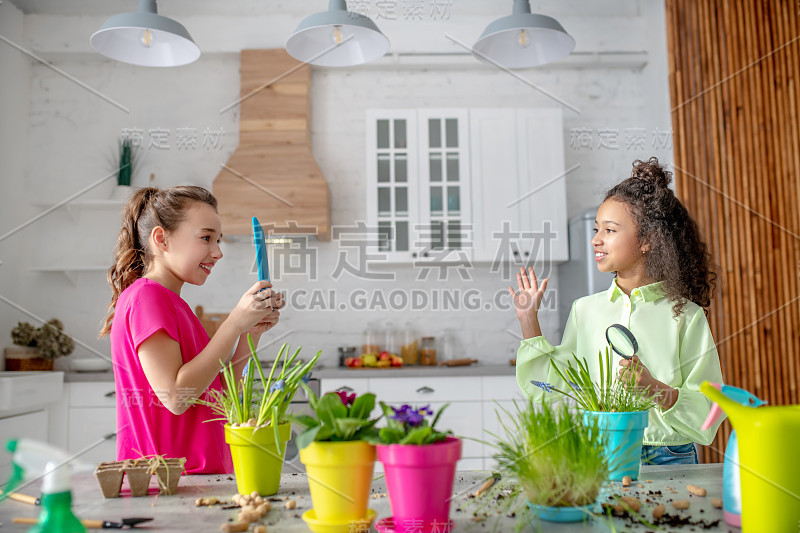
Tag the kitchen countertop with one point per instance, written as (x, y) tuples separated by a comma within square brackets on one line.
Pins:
[(178, 512), (335, 372)]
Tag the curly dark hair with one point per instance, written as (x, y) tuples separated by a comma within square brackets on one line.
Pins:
[(678, 256)]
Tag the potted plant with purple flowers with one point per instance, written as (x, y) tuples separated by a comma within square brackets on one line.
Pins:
[(420, 466)]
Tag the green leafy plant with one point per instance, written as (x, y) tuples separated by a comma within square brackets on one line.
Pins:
[(613, 394), (338, 417), (407, 425), (548, 456), (125, 161), (50, 338), (257, 404)]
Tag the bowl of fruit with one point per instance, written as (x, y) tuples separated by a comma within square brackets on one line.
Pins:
[(375, 360)]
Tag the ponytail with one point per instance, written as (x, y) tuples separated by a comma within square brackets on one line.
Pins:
[(148, 208)]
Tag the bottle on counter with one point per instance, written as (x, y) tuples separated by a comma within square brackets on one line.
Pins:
[(451, 347), (392, 338), (427, 351), (409, 349), (372, 342)]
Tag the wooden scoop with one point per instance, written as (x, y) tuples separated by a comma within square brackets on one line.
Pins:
[(458, 362)]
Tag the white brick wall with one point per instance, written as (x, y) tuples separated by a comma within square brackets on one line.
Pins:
[(72, 134)]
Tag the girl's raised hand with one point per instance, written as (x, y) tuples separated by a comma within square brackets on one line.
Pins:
[(529, 297), (254, 306)]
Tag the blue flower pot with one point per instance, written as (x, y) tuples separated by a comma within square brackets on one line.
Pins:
[(560, 514), (623, 433)]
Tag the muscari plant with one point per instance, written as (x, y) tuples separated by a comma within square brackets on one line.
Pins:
[(338, 417), (246, 403), (406, 425), (612, 393)]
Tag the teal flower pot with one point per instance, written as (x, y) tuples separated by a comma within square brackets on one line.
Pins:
[(560, 514), (623, 433)]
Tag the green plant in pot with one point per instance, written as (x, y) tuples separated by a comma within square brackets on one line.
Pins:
[(420, 467), (339, 459), (37, 348), (551, 460), (620, 408), (258, 425)]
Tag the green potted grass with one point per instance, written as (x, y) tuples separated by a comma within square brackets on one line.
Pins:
[(620, 409), (550, 460), (258, 425), (339, 460), (420, 467)]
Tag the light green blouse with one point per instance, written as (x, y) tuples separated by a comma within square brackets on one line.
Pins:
[(677, 351)]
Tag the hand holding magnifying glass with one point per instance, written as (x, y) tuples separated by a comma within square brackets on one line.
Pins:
[(624, 343)]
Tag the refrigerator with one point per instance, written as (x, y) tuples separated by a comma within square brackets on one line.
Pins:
[(579, 276)]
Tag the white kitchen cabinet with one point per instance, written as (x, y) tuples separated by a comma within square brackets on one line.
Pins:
[(496, 184), (543, 209), (464, 419), (418, 185), (518, 183), (494, 415), (499, 394), (358, 386), (445, 212), (91, 414), (88, 427), (422, 391), (392, 182), (467, 185), (32, 425)]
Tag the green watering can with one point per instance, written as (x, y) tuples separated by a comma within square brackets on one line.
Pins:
[(768, 464)]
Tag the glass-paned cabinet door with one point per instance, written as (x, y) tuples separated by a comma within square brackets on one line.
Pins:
[(392, 182), (445, 229)]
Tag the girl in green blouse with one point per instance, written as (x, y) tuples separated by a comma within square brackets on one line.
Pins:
[(664, 282)]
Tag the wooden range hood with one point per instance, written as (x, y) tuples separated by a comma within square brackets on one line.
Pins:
[(273, 174)]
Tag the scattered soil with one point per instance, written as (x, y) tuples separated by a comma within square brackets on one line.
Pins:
[(671, 520)]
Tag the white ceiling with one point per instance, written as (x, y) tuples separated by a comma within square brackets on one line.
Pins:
[(304, 7)]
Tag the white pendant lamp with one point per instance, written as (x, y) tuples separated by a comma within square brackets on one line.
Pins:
[(145, 38), (337, 38), (523, 40)]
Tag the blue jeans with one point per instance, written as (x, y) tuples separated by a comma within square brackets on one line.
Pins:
[(682, 454)]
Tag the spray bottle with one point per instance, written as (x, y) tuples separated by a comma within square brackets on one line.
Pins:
[(731, 482), (32, 458)]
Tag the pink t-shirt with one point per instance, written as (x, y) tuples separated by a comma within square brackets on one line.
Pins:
[(144, 425)]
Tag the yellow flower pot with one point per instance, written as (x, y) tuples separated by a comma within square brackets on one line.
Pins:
[(256, 461), (340, 479)]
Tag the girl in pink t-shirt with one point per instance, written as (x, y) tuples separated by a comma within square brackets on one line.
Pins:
[(163, 358)]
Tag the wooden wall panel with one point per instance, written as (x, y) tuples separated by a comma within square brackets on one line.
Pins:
[(735, 95)]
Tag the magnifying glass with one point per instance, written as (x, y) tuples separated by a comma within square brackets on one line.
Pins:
[(622, 340)]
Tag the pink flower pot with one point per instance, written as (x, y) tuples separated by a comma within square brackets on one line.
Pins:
[(420, 479)]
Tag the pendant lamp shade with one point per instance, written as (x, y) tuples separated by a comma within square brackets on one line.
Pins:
[(337, 38), (145, 38), (523, 39)]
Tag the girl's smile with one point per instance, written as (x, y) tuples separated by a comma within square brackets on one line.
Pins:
[(616, 243), (188, 254)]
